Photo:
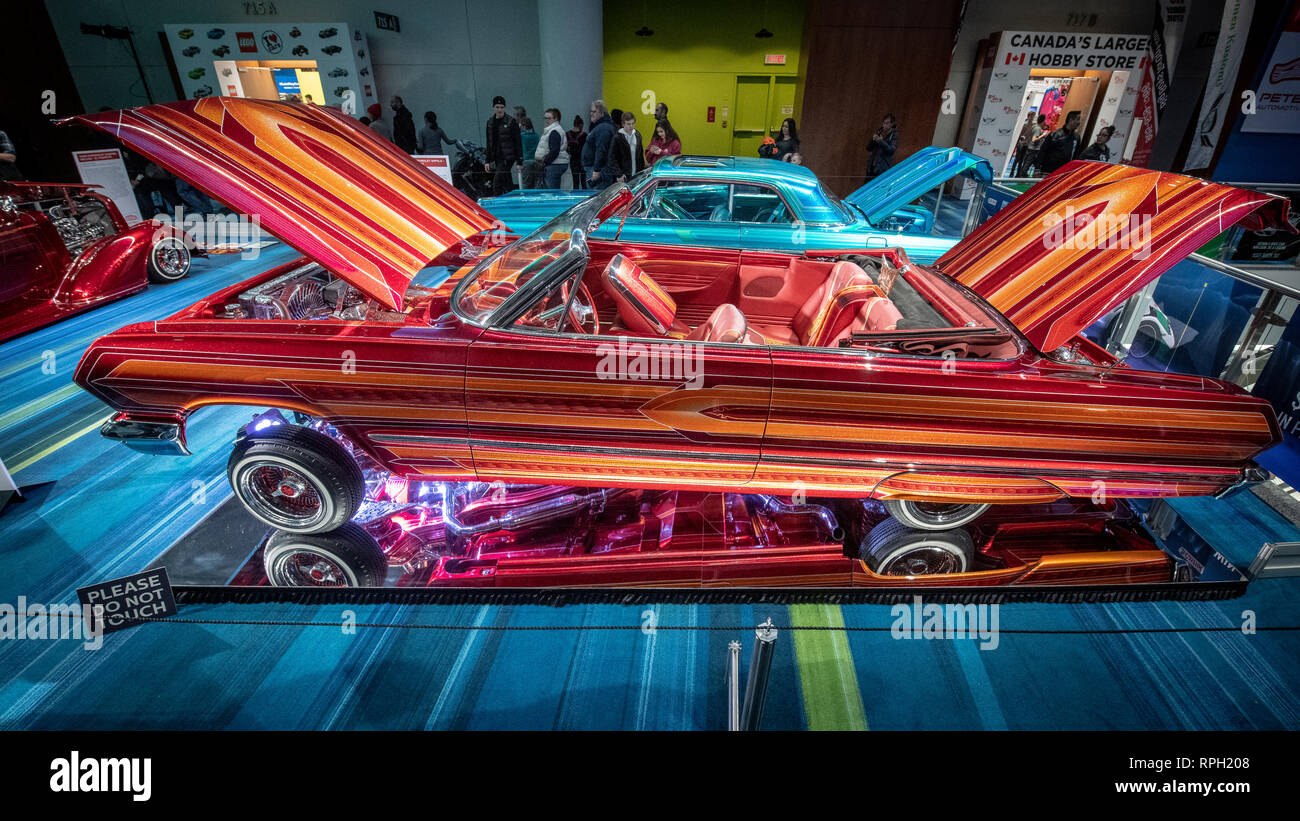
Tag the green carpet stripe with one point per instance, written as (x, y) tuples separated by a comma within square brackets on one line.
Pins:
[(827, 678)]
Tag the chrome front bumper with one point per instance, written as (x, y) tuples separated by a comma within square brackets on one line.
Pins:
[(166, 438)]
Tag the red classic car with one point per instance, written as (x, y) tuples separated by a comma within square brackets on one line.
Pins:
[(406, 343), (66, 248)]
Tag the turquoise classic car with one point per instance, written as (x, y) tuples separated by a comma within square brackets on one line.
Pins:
[(924, 204)]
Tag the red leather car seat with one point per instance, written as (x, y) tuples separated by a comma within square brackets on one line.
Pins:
[(878, 313), (829, 309), (646, 308)]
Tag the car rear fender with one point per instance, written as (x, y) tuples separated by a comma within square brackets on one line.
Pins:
[(976, 488)]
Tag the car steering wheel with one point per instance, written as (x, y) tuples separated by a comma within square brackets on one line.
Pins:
[(582, 308)]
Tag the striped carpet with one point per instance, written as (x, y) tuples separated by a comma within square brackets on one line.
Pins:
[(107, 511)]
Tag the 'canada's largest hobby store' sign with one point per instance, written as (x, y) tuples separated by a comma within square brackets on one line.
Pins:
[(1005, 74)]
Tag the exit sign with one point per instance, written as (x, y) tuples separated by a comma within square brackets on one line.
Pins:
[(774, 59)]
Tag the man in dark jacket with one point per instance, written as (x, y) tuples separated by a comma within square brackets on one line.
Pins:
[(597, 151), (629, 150), (882, 146), (403, 126), (505, 147), (1060, 146)]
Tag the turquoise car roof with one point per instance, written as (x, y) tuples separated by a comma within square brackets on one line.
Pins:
[(798, 184)]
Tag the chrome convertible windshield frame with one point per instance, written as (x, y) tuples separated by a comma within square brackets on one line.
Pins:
[(524, 269)]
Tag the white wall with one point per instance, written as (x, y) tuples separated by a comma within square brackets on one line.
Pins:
[(985, 17), (451, 57)]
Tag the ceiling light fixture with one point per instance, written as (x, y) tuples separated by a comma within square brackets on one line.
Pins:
[(644, 31), (763, 33)]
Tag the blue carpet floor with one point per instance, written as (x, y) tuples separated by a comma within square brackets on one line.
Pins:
[(108, 512)]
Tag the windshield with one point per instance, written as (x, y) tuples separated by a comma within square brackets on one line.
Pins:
[(535, 257)]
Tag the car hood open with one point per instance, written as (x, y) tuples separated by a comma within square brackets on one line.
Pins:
[(913, 177), (1091, 235), (317, 179)]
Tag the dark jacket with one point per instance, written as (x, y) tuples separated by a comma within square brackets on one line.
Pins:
[(1096, 151), (504, 145), (882, 152), (596, 153), (404, 130), (627, 160), (577, 141), (1058, 149)]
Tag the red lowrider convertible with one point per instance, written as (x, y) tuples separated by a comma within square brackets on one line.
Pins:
[(67, 249), (559, 360)]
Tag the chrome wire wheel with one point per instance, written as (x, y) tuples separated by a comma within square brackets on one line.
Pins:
[(307, 569), (280, 494), (934, 515), (169, 260), (922, 561)]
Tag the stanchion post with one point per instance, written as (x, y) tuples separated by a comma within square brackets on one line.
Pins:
[(760, 665), (733, 686)]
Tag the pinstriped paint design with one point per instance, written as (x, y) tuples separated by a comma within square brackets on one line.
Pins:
[(316, 178), (1052, 281)]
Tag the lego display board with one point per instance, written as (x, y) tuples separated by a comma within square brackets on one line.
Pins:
[(207, 58)]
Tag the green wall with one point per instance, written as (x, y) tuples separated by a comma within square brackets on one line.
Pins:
[(692, 60)]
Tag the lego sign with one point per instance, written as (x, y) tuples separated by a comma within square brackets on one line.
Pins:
[(247, 41)]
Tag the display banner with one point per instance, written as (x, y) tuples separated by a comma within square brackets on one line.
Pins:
[(1017, 52), (203, 53), (1216, 102), (104, 167), (1277, 100), (439, 164), (1166, 39)]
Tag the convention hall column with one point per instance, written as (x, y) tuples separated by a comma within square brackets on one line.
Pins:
[(570, 37)]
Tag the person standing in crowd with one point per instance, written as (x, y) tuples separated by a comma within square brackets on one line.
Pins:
[(551, 156), (616, 117), (1099, 150), (597, 153), (661, 112), (8, 159), (882, 146), (1060, 146), (787, 142), (576, 138), (1031, 140), (520, 114), (665, 143), (530, 171), (432, 138), (403, 125), (504, 147), (148, 178), (629, 150), (376, 112)]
